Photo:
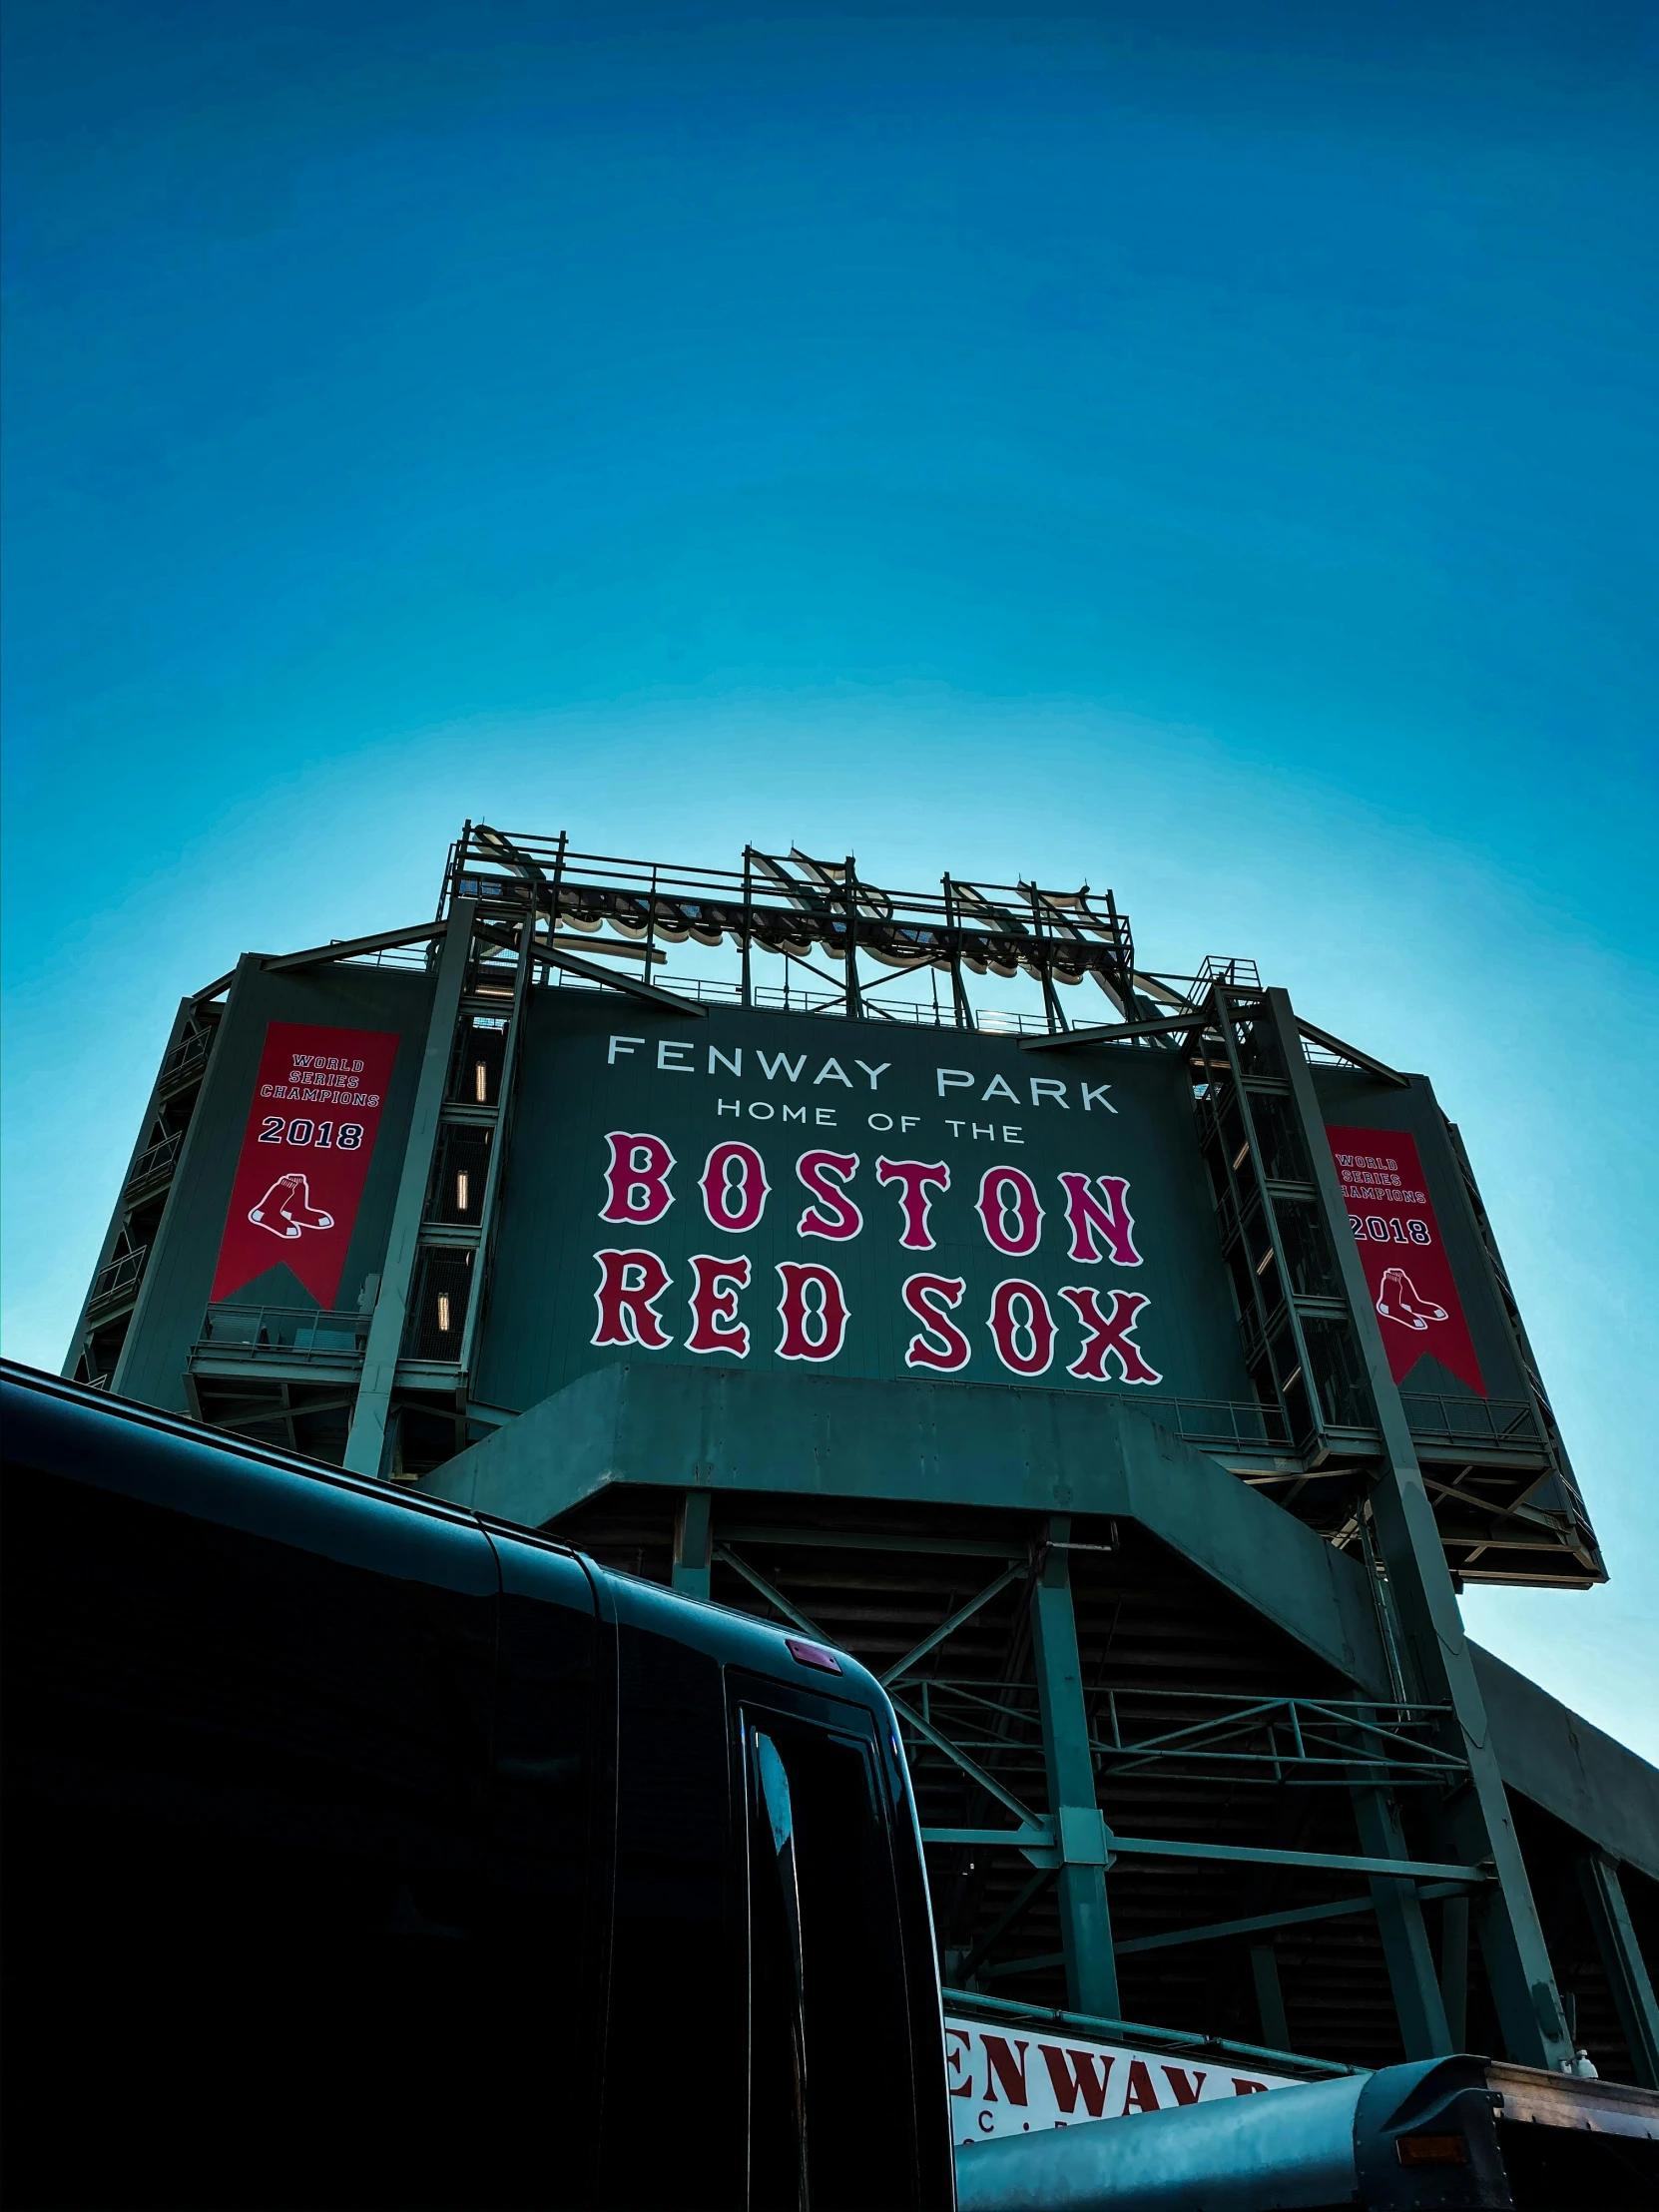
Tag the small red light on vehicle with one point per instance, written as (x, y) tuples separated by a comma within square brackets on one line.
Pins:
[(1431, 2150), (813, 1655)]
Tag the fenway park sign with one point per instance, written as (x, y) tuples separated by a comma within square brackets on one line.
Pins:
[(862, 1200), (1008, 2081)]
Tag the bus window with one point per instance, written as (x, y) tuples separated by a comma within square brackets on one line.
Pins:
[(831, 2012), (779, 2171), (673, 2128)]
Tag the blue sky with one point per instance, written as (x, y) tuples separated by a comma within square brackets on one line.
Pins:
[(1209, 450)]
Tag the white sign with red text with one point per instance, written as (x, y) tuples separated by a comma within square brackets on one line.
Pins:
[(1013, 2081)]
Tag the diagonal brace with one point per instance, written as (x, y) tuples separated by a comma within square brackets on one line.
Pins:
[(547, 954), (773, 1597), (962, 1613), (349, 948), (1344, 1908), (985, 1781)]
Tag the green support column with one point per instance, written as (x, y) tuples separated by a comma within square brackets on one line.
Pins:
[(1418, 2005), (1627, 1972), (366, 1448), (1079, 1831), (1455, 1969), (693, 1544), (1512, 1944)]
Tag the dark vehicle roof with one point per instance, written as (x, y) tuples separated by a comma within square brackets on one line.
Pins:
[(114, 1444)]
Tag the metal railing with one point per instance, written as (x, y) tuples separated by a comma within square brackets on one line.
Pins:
[(414, 957), (155, 1161), (1483, 1423), (1214, 1422), (1194, 1735), (282, 1332), (118, 1276), (1281, 1739), (1227, 970), (802, 999), (184, 1056), (804, 912)]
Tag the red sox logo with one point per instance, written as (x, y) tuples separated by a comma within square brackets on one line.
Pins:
[(287, 1209), (1398, 1299)]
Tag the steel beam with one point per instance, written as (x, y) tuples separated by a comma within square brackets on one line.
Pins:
[(1120, 1032), (1037, 1834), (1378, 1069), (792, 1613), (366, 1448), (693, 1544), (1518, 1970), (347, 948), (1454, 1964), (854, 1539), (1621, 1956), (896, 1672), (547, 954), (1419, 2006), (1214, 1931), (1034, 1833), (1079, 1831), (609, 948)]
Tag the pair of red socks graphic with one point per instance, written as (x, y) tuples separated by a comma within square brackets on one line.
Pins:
[(1401, 1300), (287, 1209)]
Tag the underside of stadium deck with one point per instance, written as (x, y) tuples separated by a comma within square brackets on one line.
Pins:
[(1236, 1694), (1159, 1562)]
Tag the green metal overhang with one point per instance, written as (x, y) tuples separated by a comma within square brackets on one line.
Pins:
[(980, 1446), (1595, 1785), (973, 1445)]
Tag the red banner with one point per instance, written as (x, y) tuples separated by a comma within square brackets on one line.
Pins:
[(1403, 1252), (305, 1156)]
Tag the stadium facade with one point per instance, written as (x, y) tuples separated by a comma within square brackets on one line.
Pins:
[(1120, 1364)]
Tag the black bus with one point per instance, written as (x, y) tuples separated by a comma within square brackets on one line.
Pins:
[(360, 1851)]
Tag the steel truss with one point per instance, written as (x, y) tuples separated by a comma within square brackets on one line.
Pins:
[(802, 912), (998, 1735)]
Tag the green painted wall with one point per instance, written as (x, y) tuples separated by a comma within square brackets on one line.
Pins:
[(790, 1084)]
